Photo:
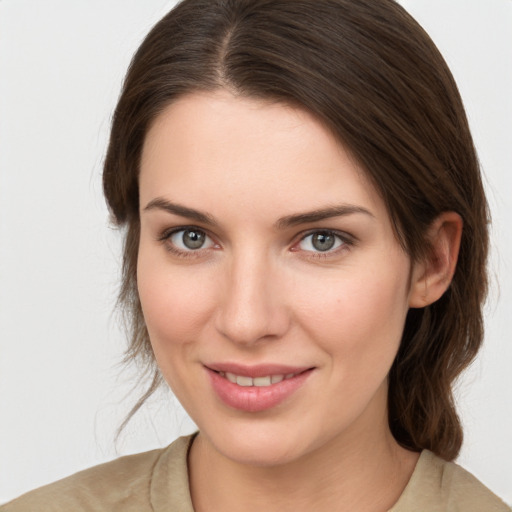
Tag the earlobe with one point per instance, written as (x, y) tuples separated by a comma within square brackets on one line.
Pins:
[(432, 276)]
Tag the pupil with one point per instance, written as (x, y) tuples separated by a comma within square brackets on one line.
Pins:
[(193, 239), (323, 241)]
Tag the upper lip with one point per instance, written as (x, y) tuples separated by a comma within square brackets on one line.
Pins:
[(258, 370)]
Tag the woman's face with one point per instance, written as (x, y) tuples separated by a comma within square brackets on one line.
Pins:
[(272, 285)]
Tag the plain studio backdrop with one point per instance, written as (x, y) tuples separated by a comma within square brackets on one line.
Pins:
[(62, 390)]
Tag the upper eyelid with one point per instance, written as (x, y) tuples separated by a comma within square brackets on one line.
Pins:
[(348, 241), (341, 234), (166, 233), (165, 239)]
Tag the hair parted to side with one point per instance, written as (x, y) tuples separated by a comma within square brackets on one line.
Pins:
[(371, 74)]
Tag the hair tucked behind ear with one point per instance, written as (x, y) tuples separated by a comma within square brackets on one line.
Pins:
[(370, 73)]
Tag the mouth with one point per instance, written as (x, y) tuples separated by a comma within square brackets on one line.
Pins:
[(264, 381), (256, 388)]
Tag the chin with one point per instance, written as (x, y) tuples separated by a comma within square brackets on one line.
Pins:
[(261, 443)]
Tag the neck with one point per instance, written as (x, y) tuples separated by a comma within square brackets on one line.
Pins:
[(367, 472)]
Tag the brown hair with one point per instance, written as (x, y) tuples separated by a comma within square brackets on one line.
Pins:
[(371, 74)]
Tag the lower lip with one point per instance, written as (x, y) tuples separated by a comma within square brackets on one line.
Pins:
[(255, 398)]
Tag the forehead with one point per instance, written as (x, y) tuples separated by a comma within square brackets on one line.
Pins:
[(252, 153)]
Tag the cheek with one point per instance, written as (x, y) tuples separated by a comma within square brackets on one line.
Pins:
[(176, 305), (175, 301), (359, 317)]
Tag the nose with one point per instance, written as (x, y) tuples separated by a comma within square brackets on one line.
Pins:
[(252, 307)]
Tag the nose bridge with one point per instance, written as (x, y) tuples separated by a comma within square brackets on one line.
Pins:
[(251, 308)]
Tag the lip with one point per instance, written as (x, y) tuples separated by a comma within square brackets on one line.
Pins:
[(259, 370), (254, 398)]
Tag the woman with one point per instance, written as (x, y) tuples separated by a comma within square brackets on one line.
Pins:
[(304, 261)]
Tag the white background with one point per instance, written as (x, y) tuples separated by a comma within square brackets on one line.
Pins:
[(62, 390)]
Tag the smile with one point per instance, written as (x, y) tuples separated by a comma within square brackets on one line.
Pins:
[(257, 388), (245, 381)]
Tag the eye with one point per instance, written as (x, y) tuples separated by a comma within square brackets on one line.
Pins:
[(191, 239), (321, 241)]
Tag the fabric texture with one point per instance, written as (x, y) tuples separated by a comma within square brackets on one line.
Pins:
[(157, 481)]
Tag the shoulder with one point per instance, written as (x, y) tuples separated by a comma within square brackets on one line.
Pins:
[(102, 487), (440, 485), (466, 491), (124, 484)]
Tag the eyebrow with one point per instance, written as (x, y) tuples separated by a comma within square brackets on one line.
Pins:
[(183, 211), (321, 214), (284, 222)]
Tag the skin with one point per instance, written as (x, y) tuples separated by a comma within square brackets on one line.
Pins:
[(259, 292)]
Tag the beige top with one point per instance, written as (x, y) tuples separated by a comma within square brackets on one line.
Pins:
[(157, 481)]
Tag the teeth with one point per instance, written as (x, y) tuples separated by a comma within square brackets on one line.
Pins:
[(262, 381), (244, 381), (231, 377)]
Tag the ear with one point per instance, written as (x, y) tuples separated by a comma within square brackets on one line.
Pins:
[(432, 276)]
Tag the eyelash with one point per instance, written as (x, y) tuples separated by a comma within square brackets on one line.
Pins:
[(346, 240), (165, 238)]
